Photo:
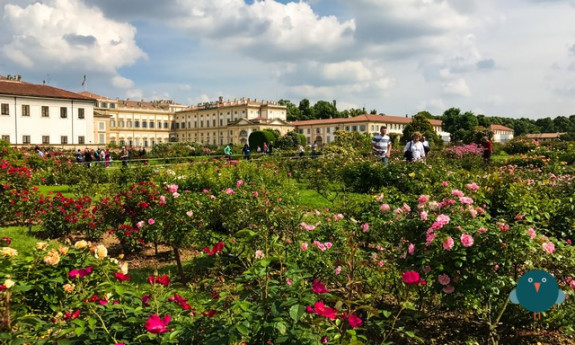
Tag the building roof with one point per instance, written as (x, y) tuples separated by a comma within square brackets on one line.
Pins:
[(19, 88), (250, 102), (500, 128), (362, 118), (544, 135), (127, 103)]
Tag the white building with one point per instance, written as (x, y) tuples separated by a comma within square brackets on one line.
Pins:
[(501, 134), (33, 114)]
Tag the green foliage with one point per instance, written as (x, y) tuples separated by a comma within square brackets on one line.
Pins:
[(258, 138), (519, 145), (420, 123)]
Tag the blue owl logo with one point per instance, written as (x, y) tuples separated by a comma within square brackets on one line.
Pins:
[(537, 291)]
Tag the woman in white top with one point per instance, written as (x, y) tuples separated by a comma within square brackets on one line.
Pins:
[(416, 148)]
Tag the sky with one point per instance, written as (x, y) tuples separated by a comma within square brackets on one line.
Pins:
[(512, 58)]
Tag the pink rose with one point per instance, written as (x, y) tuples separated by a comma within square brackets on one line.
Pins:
[(466, 240), (151, 221), (448, 243), (443, 279), (304, 246), (448, 289)]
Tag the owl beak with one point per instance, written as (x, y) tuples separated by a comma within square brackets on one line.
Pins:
[(537, 285)]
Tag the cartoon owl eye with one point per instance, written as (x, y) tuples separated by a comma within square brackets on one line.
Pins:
[(530, 280), (544, 280)]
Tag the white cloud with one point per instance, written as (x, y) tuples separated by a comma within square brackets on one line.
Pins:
[(66, 34), (122, 83), (266, 30), (456, 87), (135, 94)]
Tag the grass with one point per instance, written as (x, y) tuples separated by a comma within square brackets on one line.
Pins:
[(311, 199), (64, 189), (22, 241)]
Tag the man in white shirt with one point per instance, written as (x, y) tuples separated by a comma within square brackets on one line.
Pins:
[(381, 145)]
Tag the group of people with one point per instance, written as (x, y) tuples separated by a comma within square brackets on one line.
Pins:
[(97, 156), (246, 151), (416, 149)]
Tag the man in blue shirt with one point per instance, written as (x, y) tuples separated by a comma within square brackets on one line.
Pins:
[(381, 145)]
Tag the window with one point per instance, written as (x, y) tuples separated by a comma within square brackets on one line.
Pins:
[(145, 124), (25, 110), (63, 112), (80, 113), (354, 128), (317, 130), (328, 130), (102, 139), (64, 140), (362, 128), (25, 139), (308, 131), (202, 124), (152, 126), (166, 125), (112, 123), (5, 109), (183, 125), (129, 123), (221, 122), (177, 125), (207, 123), (102, 126), (112, 105), (81, 139), (45, 139), (45, 111), (137, 123), (214, 123), (6, 138), (121, 123)]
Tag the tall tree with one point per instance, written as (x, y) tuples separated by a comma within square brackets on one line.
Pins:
[(420, 123), (293, 112), (325, 110), (305, 109)]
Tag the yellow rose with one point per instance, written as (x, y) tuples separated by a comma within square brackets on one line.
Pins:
[(124, 267), (52, 258), (41, 245), (101, 252), (69, 287), (318, 171), (411, 175), (81, 244), (9, 252), (8, 283), (63, 250)]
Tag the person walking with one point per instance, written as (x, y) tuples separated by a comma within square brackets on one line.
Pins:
[(228, 151), (487, 149), (381, 145), (300, 150), (246, 151), (124, 156), (414, 151)]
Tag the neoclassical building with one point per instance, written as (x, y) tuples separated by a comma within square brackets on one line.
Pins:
[(133, 123), (223, 122), (34, 114)]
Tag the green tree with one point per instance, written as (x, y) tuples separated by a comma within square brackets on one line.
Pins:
[(420, 123), (325, 110), (546, 125), (305, 109), (293, 112)]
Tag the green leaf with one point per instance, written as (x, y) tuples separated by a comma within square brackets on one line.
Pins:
[(243, 329), (296, 312), (245, 233)]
